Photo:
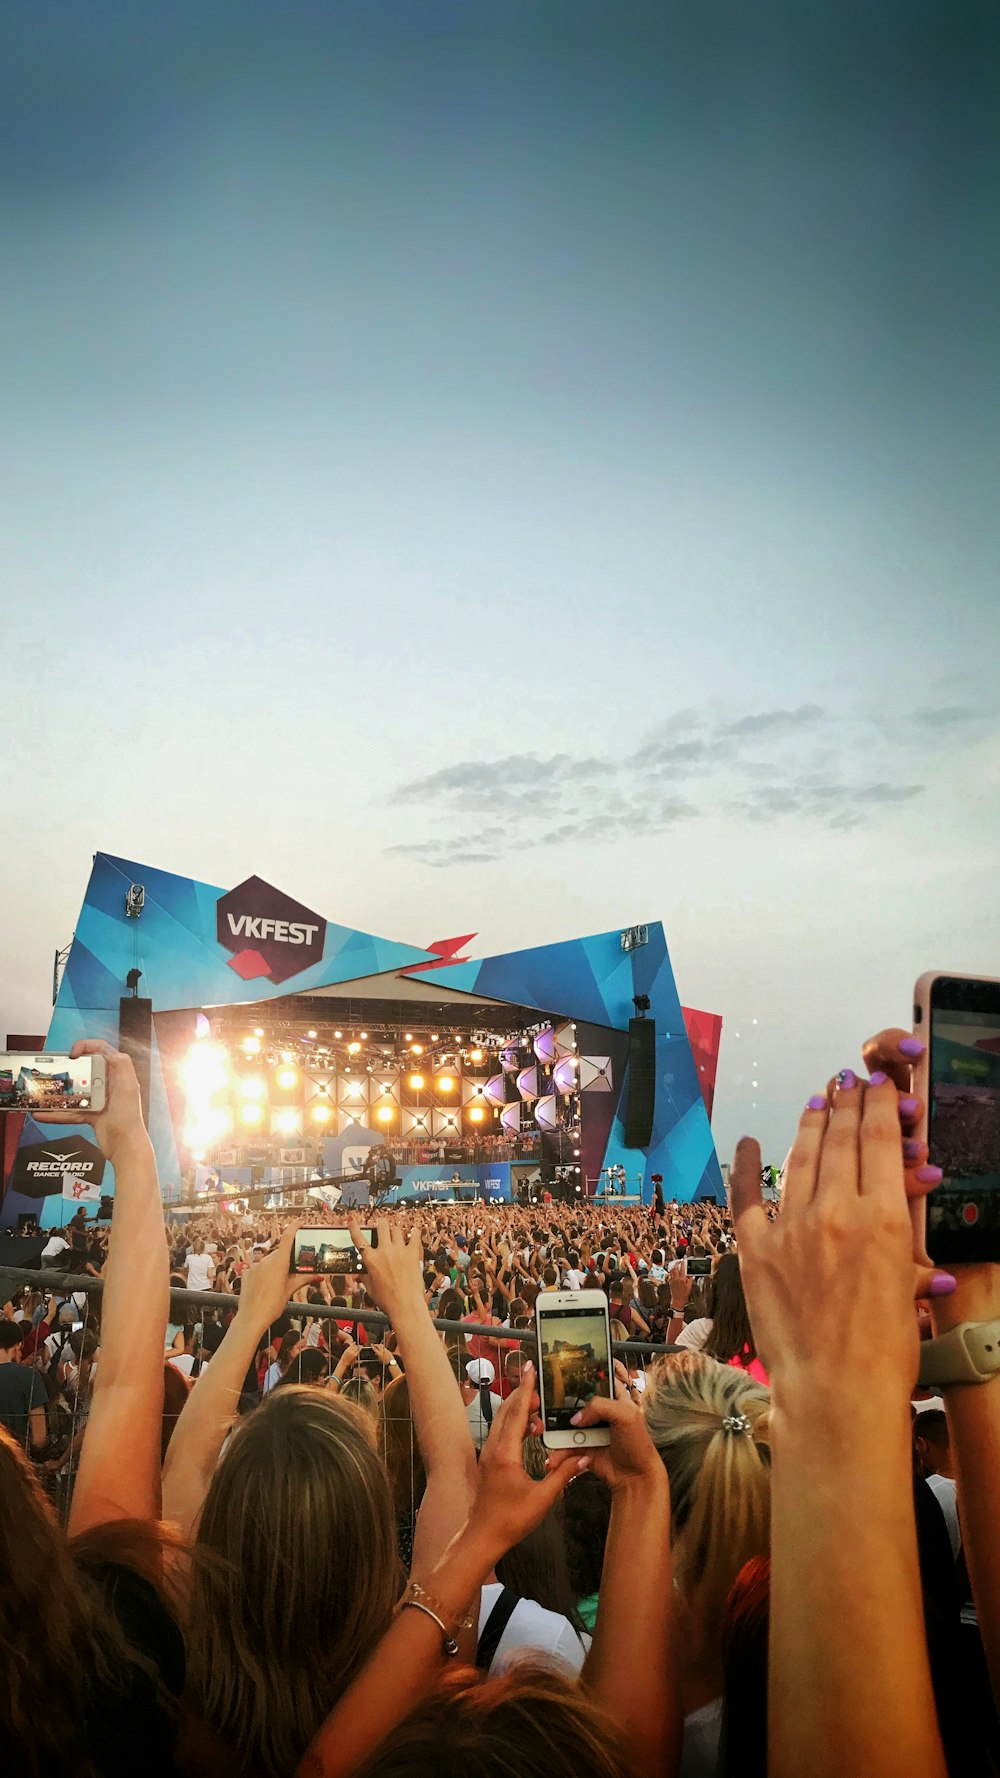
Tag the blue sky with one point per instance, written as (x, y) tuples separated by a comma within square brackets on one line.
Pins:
[(526, 468)]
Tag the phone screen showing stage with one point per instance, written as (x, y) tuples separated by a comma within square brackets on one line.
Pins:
[(44, 1082), (327, 1251), (696, 1267), (575, 1352), (963, 1120)]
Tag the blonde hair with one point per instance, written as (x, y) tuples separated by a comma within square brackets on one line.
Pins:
[(295, 1576), (720, 1477)]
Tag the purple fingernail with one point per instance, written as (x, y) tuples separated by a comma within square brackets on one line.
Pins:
[(929, 1175), (911, 1148), (909, 1107), (847, 1079), (878, 1079), (910, 1046), (942, 1284), (817, 1102)]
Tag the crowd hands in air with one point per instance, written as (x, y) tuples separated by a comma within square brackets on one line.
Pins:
[(303, 1544)]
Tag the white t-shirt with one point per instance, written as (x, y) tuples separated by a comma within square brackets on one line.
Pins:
[(199, 1268), (272, 1377), (183, 1361), (658, 1274), (574, 1280), (943, 1489), (532, 1630), (53, 1247), (694, 1337), (478, 1424)]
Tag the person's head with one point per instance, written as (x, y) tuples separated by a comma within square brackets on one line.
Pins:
[(536, 1568), (297, 1531), (309, 1365), (198, 1244), (931, 1442), (647, 1294), (83, 1344), (529, 1720), (586, 1515), (518, 1307), (549, 1278), (731, 1335), (452, 1306), (11, 1335), (711, 1426), (362, 1392)]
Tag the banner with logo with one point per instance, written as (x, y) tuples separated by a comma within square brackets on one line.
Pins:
[(43, 1169)]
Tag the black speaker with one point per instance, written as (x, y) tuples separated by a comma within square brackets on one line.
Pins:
[(22, 1251), (135, 1034), (641, 1083)]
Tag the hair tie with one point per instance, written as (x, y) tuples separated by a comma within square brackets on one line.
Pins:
[(737, 1423)]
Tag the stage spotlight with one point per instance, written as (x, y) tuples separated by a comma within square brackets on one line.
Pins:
[(338, 1034), (449, 1123), (446, 1084), (384, 1114), (416, 1082), (387, 1086), (287, 1078), (286, 1056), (476, 1056), (409, 1037), (354, 1049), (364, 1037), (321, 1114), (251, 1046), (251, 1114), (287, 1122), (477, 1114), (354, 1087), (417, 1049), (253, 1087), (434, 1037), (311, 1033)]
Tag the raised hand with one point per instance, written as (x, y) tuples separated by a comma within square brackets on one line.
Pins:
[(119, 1126), (393, 1267)]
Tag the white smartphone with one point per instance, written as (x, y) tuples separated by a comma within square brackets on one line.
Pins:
[(45, 1081), (957, 1019), (575, 1363), (697, 1266)]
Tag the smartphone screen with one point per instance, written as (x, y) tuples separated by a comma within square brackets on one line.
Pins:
[(695, 1267), (328, 1250), (575, 1352), (963, 1121), (44, 1082)]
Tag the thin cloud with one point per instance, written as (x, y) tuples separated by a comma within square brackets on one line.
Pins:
[(776, 722)]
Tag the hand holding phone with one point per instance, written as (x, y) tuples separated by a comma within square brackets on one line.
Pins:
[(957, 1078), (574, 1347), (324, 1251), (46, 1080)]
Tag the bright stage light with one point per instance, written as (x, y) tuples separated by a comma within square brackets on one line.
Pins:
[(286, 1056), (258, 1030), (353, 1049), (434, 1037), (251, 1114), (252, 1087), (476, 1056), (476, 1114), (409, 1037), (287, 1078), (354, 1087), (338, 1034), (446, 1084), (251, 1046), (311, 1033), (321, 1114), (417, 1049), (449, 1123), (364, 1037), (287, 1122), (384, 1114), (416, 1082), (204, 1071)]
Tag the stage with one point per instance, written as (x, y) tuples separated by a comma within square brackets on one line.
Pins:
[(272, 1044)]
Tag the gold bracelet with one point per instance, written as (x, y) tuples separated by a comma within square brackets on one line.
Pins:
[(421, 1600)]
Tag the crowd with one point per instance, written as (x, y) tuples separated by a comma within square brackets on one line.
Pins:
[(298, 1528)]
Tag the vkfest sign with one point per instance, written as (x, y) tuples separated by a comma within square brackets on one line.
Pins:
[(42, 1168), (269, 934)]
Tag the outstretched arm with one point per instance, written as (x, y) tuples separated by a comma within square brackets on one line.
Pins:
[(119, 1473), (439, 1418), (210, 1409)]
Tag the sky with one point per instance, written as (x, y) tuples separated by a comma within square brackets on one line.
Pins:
[(525, 468)]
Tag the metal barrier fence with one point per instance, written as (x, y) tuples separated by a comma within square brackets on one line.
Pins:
[(68, 1408)]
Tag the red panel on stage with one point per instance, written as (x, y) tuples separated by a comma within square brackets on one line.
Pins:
[(704, 1031)]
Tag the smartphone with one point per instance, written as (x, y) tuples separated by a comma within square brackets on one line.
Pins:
[(696, 1267), (574, 1346), (45, 1081), (957, 1017), (328, 1250)]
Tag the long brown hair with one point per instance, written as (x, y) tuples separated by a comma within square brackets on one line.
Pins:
[(400, 1449), (534, 1719), (731, 1335), (65, 1656), (299, 1538)]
